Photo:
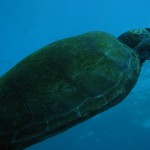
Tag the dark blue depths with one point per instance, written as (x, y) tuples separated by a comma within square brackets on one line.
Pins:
[(28, 25)]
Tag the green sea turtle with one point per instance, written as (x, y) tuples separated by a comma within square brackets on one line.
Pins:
[(68, 82)]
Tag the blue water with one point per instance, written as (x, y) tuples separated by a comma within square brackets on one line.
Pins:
[(27, 25)]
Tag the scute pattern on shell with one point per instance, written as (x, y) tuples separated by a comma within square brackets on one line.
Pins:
[(63, 84)]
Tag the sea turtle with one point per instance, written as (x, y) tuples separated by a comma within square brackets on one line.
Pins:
[(68, 82)]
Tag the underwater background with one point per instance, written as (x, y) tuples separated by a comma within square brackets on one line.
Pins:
[(27, 25)]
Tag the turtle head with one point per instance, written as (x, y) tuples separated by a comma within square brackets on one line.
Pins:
[(139, 40)]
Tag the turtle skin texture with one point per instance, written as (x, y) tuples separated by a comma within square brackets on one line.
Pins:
[(139, 40), (133, 37), (63, 84)]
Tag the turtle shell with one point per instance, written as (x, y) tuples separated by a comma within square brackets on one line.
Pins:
[(63, 84)]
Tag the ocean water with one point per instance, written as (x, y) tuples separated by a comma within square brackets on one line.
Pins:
[(27, 25)]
